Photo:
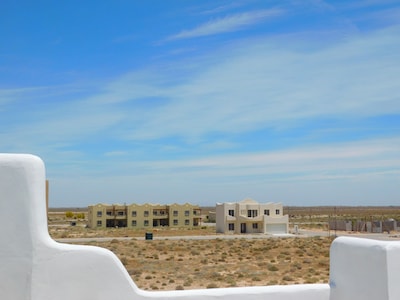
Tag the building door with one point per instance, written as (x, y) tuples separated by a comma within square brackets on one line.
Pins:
[(242, 227)]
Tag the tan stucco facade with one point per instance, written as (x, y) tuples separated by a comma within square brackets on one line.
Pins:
[(142, 216), (249, 216)]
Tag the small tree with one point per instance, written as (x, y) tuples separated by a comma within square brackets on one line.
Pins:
[(69, 214)]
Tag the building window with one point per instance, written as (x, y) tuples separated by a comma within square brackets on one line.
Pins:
[(133, 223), (255, 226), (231, 212), (266, 212), (187, 213), (146, 213), (109, 213), (175, 222), (277, 212), (146, 222), (99, 223), (134, 213), (187, 222), (175, 213), (121, 213), (231, 226), (99, 213), (252, 213)]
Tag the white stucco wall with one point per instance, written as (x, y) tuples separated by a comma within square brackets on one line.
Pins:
[(221, 211), (32, 265), (363, 269)]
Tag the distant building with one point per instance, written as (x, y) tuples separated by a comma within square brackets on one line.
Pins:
[(142, 216), (249, 216)]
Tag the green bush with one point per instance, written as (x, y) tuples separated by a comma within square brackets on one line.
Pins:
[(272, 268)]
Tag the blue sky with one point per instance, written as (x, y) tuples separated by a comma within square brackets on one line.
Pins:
[(205, 101)]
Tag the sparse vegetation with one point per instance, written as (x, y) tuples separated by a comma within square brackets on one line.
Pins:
[(71, 215), (215, 263), (148, 264)]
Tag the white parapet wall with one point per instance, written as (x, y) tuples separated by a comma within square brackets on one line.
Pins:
[(35, 267), (363, 269)]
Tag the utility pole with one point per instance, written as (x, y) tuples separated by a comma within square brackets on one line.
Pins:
[(329, 225), (335, 222)]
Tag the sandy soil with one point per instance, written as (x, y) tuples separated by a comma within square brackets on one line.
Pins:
[(191, 264)]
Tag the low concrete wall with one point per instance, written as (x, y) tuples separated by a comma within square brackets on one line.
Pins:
[(340, 225), (364, 226)]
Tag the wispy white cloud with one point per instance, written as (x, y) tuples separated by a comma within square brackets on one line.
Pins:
[(319, 173), (222, 8), (116, 153), (13, 94), (42, 124), (21, 94), (271, 85), (340, 159), (228, 24), (193, 116)]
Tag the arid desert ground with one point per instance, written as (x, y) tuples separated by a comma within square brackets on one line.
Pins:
[(192, 259)]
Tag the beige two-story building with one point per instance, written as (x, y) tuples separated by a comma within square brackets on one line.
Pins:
[(249, 216), (143, 216)]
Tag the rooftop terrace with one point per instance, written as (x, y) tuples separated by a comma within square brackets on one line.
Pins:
[(33, 266)]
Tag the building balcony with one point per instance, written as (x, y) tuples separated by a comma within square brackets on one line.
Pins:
[(196, 212), (163, 216), (250, 219), (230, 218), (120, 216)]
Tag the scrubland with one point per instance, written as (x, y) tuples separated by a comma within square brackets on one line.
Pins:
[(180, 263), (191, 264), (184, 263)]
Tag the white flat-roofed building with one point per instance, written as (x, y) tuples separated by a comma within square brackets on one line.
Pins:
[(249, 216)]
